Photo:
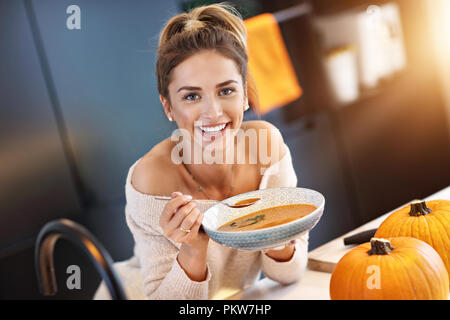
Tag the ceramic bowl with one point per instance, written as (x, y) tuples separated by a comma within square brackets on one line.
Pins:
[(267, 238)]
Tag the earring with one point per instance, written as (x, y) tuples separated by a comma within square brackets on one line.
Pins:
[(170, 119), (246, 107)]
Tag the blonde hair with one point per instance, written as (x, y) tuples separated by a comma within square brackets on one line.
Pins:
[(218, 27)]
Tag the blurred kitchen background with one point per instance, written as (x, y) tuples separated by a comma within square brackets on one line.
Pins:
[(371, 130)]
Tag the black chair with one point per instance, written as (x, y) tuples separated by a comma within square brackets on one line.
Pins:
[(77, 234)]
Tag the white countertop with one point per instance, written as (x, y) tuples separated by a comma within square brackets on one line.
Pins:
[(314, 285)]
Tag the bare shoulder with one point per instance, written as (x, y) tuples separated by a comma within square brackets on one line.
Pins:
[(154, 167), (271, 134)]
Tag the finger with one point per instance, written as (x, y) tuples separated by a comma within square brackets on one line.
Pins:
[(178, 199), (274, 249), (198, 223), (190, 220), (180, 215), (200, 226), (194, 228), (172, 206), (175, 194)]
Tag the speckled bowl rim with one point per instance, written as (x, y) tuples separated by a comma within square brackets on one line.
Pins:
[(274, 228)]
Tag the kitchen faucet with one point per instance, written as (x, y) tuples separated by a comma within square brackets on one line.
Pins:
[(77, 234)]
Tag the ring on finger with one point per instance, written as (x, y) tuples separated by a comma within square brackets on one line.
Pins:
[(185, 230)]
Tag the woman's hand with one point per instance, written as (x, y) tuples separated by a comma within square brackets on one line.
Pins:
[(284, 254), (181, 221)]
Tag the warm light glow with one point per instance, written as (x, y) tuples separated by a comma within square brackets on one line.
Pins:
[(94, 251), (439, 17)]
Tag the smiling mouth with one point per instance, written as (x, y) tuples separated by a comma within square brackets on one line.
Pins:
[(214, 129)]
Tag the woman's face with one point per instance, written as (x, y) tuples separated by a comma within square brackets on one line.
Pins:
[(207, 98)]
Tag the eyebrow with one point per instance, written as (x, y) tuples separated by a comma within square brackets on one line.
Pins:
[(198, 88)]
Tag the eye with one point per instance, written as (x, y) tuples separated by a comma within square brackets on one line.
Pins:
[(189, 96), (228, 90)]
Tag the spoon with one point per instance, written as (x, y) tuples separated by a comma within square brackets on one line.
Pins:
[(240, 204), (243, 203)]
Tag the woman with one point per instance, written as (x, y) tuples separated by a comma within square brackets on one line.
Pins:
[(202, 80)]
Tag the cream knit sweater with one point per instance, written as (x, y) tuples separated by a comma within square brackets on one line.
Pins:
[(229, 270)]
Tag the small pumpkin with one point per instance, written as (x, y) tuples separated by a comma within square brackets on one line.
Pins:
[(427, 221), (401, 268)]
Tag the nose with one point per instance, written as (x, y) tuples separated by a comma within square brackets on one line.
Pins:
[(212, 110)]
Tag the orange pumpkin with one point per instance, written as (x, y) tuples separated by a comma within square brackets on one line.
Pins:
[(400, 268), (427, 221)]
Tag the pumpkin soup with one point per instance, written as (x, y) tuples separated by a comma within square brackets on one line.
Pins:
[(268, 217)]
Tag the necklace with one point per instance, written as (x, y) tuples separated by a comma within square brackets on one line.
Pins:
[(202, 190)]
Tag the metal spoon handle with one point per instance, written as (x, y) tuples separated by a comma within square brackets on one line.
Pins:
[(162, 198)]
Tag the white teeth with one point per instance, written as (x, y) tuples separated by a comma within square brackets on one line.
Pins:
[(212, 129)]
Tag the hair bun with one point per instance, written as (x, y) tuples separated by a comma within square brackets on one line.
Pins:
[(191, 25), (221, 15)]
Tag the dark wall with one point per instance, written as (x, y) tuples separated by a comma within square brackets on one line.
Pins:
[(104, 79), (35, 176), (77, 108)]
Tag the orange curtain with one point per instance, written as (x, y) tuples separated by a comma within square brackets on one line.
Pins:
[(269, 63)]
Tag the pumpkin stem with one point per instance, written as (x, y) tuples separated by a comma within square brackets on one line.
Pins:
[(419, 208), (380, 247)]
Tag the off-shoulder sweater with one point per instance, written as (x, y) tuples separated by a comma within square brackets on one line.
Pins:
[(228, 270)]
